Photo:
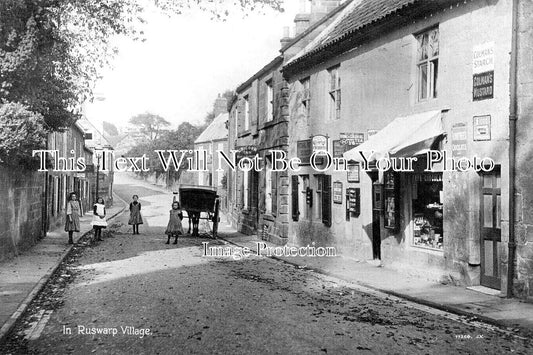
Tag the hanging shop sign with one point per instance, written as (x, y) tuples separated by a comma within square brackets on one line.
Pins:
[(246, 151), (304, 149), (483, 71), (353, 172), (482, 128), (459, 138), (337, 192)]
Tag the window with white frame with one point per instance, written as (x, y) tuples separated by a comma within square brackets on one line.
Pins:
[(334, 93), (306, 98), (246, 113), (270, 101), (427, 64)]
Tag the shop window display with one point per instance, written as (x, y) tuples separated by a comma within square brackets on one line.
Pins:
[(427, 211)]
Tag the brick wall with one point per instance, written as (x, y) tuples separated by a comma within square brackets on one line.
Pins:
[(21, 212)]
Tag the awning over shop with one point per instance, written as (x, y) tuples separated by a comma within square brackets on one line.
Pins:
[(403, 137)]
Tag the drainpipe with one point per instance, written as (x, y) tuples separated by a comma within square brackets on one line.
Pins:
[(512, 147)]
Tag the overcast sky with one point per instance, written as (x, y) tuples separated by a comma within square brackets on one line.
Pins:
[(185, 62)]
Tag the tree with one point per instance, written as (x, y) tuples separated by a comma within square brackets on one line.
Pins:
[(21, 132), (110, 128), (53, 51), (180, 139), (149, 124)]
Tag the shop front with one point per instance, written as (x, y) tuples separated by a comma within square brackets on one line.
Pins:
[(407, 200)]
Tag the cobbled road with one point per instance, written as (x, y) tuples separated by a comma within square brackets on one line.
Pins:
[(154, 298)]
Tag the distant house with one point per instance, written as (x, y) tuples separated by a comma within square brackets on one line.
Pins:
[(214, 138)]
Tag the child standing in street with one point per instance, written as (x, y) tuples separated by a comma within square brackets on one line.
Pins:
[(72, 224), (135, 214), (99, 221), (174, 227)]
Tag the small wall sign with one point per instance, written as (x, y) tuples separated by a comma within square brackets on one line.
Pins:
[(337, 192), (459, 138), (353, 172), (482, 128)]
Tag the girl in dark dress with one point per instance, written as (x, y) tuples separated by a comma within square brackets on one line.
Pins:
[(135, 214), (72, 224), (174, 227)]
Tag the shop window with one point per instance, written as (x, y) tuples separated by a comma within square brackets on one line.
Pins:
[(270, 101), (334, 93), (391, 201), (427, 211), (427, 64)]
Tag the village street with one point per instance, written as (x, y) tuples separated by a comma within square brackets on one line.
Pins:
[(150, 297)]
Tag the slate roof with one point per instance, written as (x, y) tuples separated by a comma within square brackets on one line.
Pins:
[(356, 16), (215, 131), (364, 13)]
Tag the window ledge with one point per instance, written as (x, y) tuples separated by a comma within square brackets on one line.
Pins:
[(427, 249), (269, 217), (244, 133)]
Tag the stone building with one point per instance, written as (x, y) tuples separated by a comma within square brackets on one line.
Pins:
[(399, 78), (35, 200), (214, 138), (258, 124), (70, 143)]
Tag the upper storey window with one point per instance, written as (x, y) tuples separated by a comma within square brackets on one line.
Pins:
[(427, 64)]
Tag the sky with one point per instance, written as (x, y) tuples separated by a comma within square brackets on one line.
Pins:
[(185, 62)]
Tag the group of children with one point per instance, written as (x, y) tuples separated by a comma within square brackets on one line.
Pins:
[(72, 224)]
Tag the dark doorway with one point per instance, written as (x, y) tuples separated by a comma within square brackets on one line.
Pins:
[(377, 197), (490, 217)]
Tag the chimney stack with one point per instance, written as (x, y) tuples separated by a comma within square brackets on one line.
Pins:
[(311, 11), (220, 106)]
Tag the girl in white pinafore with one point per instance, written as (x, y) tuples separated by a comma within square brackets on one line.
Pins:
[(99, 221)]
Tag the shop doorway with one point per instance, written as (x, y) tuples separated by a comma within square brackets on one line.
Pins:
[(490, 234), (377, 197)]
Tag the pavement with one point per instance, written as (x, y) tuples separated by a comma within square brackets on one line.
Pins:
[(489, 308), (22, 277)]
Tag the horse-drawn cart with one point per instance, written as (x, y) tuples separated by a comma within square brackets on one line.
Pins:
[(197, 199)]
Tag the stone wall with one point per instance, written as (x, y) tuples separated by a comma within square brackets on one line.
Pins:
[(21, 211), (523, 282)]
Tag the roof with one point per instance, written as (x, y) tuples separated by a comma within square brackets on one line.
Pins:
[(217, 130), (276, 61), (315, 25), (363, 18)]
